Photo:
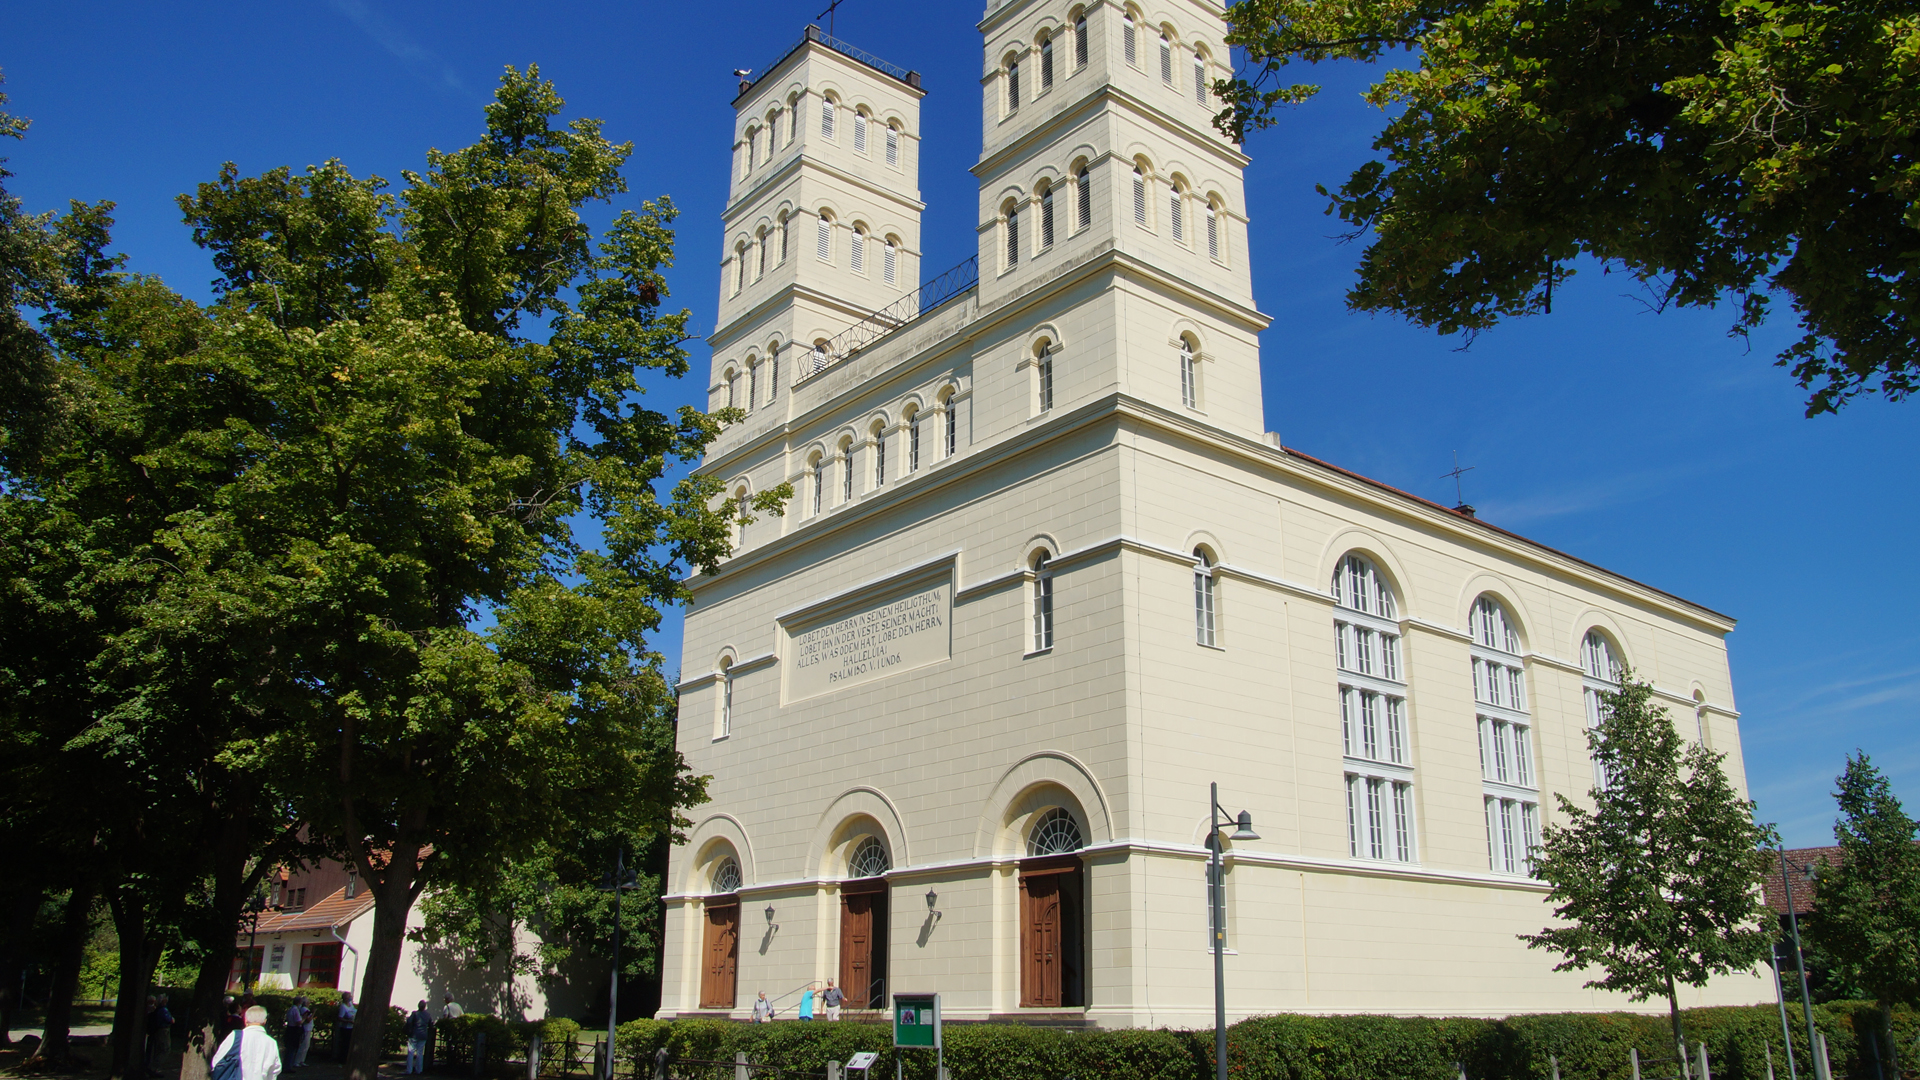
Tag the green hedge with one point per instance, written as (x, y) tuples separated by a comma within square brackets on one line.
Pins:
[(1583, 1046)]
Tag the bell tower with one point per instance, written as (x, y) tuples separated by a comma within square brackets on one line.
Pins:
[(822, 222)]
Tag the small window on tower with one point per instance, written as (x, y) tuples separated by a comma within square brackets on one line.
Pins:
[(893, 147), (1166, 59), (1046, 63), (1127, 39), (1080, 42), (860, 133), (1139, 196), (826, 117), (1013, 86)]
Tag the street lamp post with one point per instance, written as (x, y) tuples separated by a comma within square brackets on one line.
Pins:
[(253, 908), (1800, 959), (1242, 825), (616, 883)]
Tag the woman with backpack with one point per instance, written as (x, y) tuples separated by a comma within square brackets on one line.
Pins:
[(249, 1053)]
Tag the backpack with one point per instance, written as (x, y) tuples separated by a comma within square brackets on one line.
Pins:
[(228, 1067)]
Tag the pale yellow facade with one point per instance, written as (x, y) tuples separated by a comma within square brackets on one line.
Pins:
[(871, 664)]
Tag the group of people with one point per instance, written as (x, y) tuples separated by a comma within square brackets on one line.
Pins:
[(262, 1057), (830, 1001)]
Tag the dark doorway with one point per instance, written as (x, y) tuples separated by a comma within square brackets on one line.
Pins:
[(1052, 933), (721, 953), (863, 942)]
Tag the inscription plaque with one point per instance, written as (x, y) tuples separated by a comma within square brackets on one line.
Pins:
[(883, 638)]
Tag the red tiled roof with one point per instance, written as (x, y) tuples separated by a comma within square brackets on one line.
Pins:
[(1371, 482), (1796, 884), (336, 910)]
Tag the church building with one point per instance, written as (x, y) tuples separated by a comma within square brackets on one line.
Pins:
[(1046, 577)]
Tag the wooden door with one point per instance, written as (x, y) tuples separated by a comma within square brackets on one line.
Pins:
[(722, 956), (1041, 940), (856, 948)]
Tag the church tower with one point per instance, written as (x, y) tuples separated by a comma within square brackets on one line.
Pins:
[(1046, 577)]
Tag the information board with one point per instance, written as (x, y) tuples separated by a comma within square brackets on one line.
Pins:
[(863, 1060), (916, 1020)]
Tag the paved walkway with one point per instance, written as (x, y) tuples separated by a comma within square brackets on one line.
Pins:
[(79, 1032)]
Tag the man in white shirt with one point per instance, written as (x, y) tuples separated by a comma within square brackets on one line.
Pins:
[(259, 1052), (450, 1008)]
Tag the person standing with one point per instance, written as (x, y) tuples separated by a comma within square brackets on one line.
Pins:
[(450, 1008), (418, 1029), (762, 1009), (159, 1035), (832, 999), (806, 1003), (343, 1027), (259, 1054)]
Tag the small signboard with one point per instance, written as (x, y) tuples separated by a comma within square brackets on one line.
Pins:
[(916, 1020), (863, 1060)]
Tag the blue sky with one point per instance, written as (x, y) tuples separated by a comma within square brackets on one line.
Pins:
[(1648, 443)]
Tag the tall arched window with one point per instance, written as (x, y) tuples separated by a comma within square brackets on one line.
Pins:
[(1203, 597), (1600, 671), (1506, 739), (793, 119), (740, 518), (1079, 42), (760, 242), (1166, 59), (1200, 76), (1373, 714), (893, 146), (1176, 217), (953, 426), (1056, 833), (773, 371), (913, 440), (1213, 232), (890, 262), (819, 469), (786, 220), (739, 268), (1189, 376), (1128, 40), (1083, 197), (824, 238), (1046, 218), (1046, 63), (870, 859), (732, 385), (846, 472), (1043, 363), (859, 133), (857, 250), (1013, 234), (1013, 85), (726, 704), (879, 456), (1042, 603), (826, 117), (1139, 196), (753, 382), (753, 137)]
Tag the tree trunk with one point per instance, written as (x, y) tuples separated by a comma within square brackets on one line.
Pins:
[(230, 886), (1679, 1033), (56, 1040), (393, 898), (1893, 1048), (137, 961), (13, 955)]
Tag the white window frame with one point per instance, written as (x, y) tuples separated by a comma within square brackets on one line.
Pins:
[(859, 132), (913, 443), (1140, 197), (1044, 369), (890, 263), (1375, 725), (1176, 216), (1213, 233), (827, 110), (1189, 375), (819, 481), (1083, 198), (1200, 77), (879, 459), (1206, 624), (953, 426), (1129, 40), (1046, 219), (1508, 770), (893, 146), (823, 239), (1598, 660), (1042, 604), (857, 251)]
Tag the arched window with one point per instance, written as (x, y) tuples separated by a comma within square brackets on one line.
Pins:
[(732, 382), (1127, 40), (1013, 234), (1506, 739), (1373, 714), (726, 705), (859, 133), (1013, 85), (739, 268), (1600, 670), (857, 253), (913, 439), (1043, 368), (818, 466), (726, 875), (747, 145), (760, 242), (1166, 59), (1083, 197), (740, 518), (773, 371), (953, 426), (1176, 219), (1056, 833), (1203, 597), (826, 117), (1189, 376), (869, 859), (846, 472), (786, 220), (1213, 232), (753, 382), (879, 456), (1079, 42), (1140, 196), (793, 119), (1046, 63), (1046, 218), (893, 146), (1042, 603), (824, 238), (1200, 76), (890, 262)]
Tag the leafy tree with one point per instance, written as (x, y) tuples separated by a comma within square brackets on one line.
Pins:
[(1712, 149), (1659, 883), (1866, 913)]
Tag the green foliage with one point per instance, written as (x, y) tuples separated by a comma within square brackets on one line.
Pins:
[(1866, 916), (1713, 149), (1659, 883)]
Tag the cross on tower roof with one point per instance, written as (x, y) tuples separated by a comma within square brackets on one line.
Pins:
[(828, 15), (1460, 497)]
